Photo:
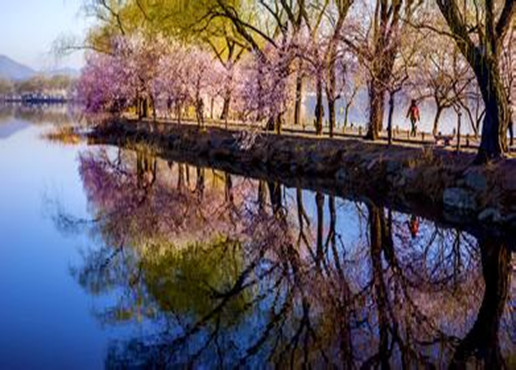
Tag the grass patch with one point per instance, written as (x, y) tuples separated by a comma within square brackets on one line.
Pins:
[(64, 134)]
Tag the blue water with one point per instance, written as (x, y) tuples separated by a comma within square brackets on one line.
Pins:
[(45, 320), (104, 262)]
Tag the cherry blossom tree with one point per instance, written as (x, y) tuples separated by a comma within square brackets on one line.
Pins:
[(265, 90)]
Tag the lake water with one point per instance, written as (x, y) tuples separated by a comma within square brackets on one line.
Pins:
[(115, 258)]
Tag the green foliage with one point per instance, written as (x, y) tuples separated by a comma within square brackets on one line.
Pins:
[(42, 83), (6, 87), (195, 279)]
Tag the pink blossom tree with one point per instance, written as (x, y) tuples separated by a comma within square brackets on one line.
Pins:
[(266, 88)]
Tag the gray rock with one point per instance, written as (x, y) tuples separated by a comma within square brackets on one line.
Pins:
[(393, 167), (459, 199), (511, 219), (341, 175), (490, 215), (400, 182), (476, 180)]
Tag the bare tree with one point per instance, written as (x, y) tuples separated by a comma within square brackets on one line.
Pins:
[(480, 37)]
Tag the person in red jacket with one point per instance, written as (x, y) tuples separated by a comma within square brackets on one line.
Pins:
[(413, 226), (413, 114)]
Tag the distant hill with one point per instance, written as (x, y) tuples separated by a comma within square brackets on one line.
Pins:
[(12, 70), (12, 127)]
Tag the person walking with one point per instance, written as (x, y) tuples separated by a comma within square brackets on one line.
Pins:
[(414, 116)]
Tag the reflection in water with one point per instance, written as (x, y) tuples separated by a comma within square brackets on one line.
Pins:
[(57, 114), (223, 271)]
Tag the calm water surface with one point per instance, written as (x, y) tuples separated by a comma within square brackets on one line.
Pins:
[(115, 258)]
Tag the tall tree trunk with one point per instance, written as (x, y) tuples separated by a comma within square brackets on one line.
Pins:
[(496, 120), (145, 110), (179, 112), (376, 109), (386, 33), (153, 104), (226, 105), (346, 114), (389, 122), (438, 113), (319, 109), (331, 91), (299, 95), (278, 124), (483, 55), (138, 108), (331, 115)]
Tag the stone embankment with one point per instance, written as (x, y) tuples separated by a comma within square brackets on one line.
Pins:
[(430, 180)]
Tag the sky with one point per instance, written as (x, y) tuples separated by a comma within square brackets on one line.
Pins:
[(29, 28)]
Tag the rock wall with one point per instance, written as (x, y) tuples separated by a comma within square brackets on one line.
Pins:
[(432, 180)]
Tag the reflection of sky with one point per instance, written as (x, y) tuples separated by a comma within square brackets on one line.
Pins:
[(11, 127), (43, 313)]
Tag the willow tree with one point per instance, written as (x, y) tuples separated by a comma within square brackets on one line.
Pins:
[(480, 36)]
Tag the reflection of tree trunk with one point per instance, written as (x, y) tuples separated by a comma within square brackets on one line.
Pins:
[(228, 188), (146, 169), (180, 177), (344, 318), (482, 340), (261, 196), (332, 235), (187, 172), (302, 217), (199, 187), (275, 196), (319, 202), (377, 238)]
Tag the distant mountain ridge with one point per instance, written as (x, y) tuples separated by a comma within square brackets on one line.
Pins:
[(12, 70)]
